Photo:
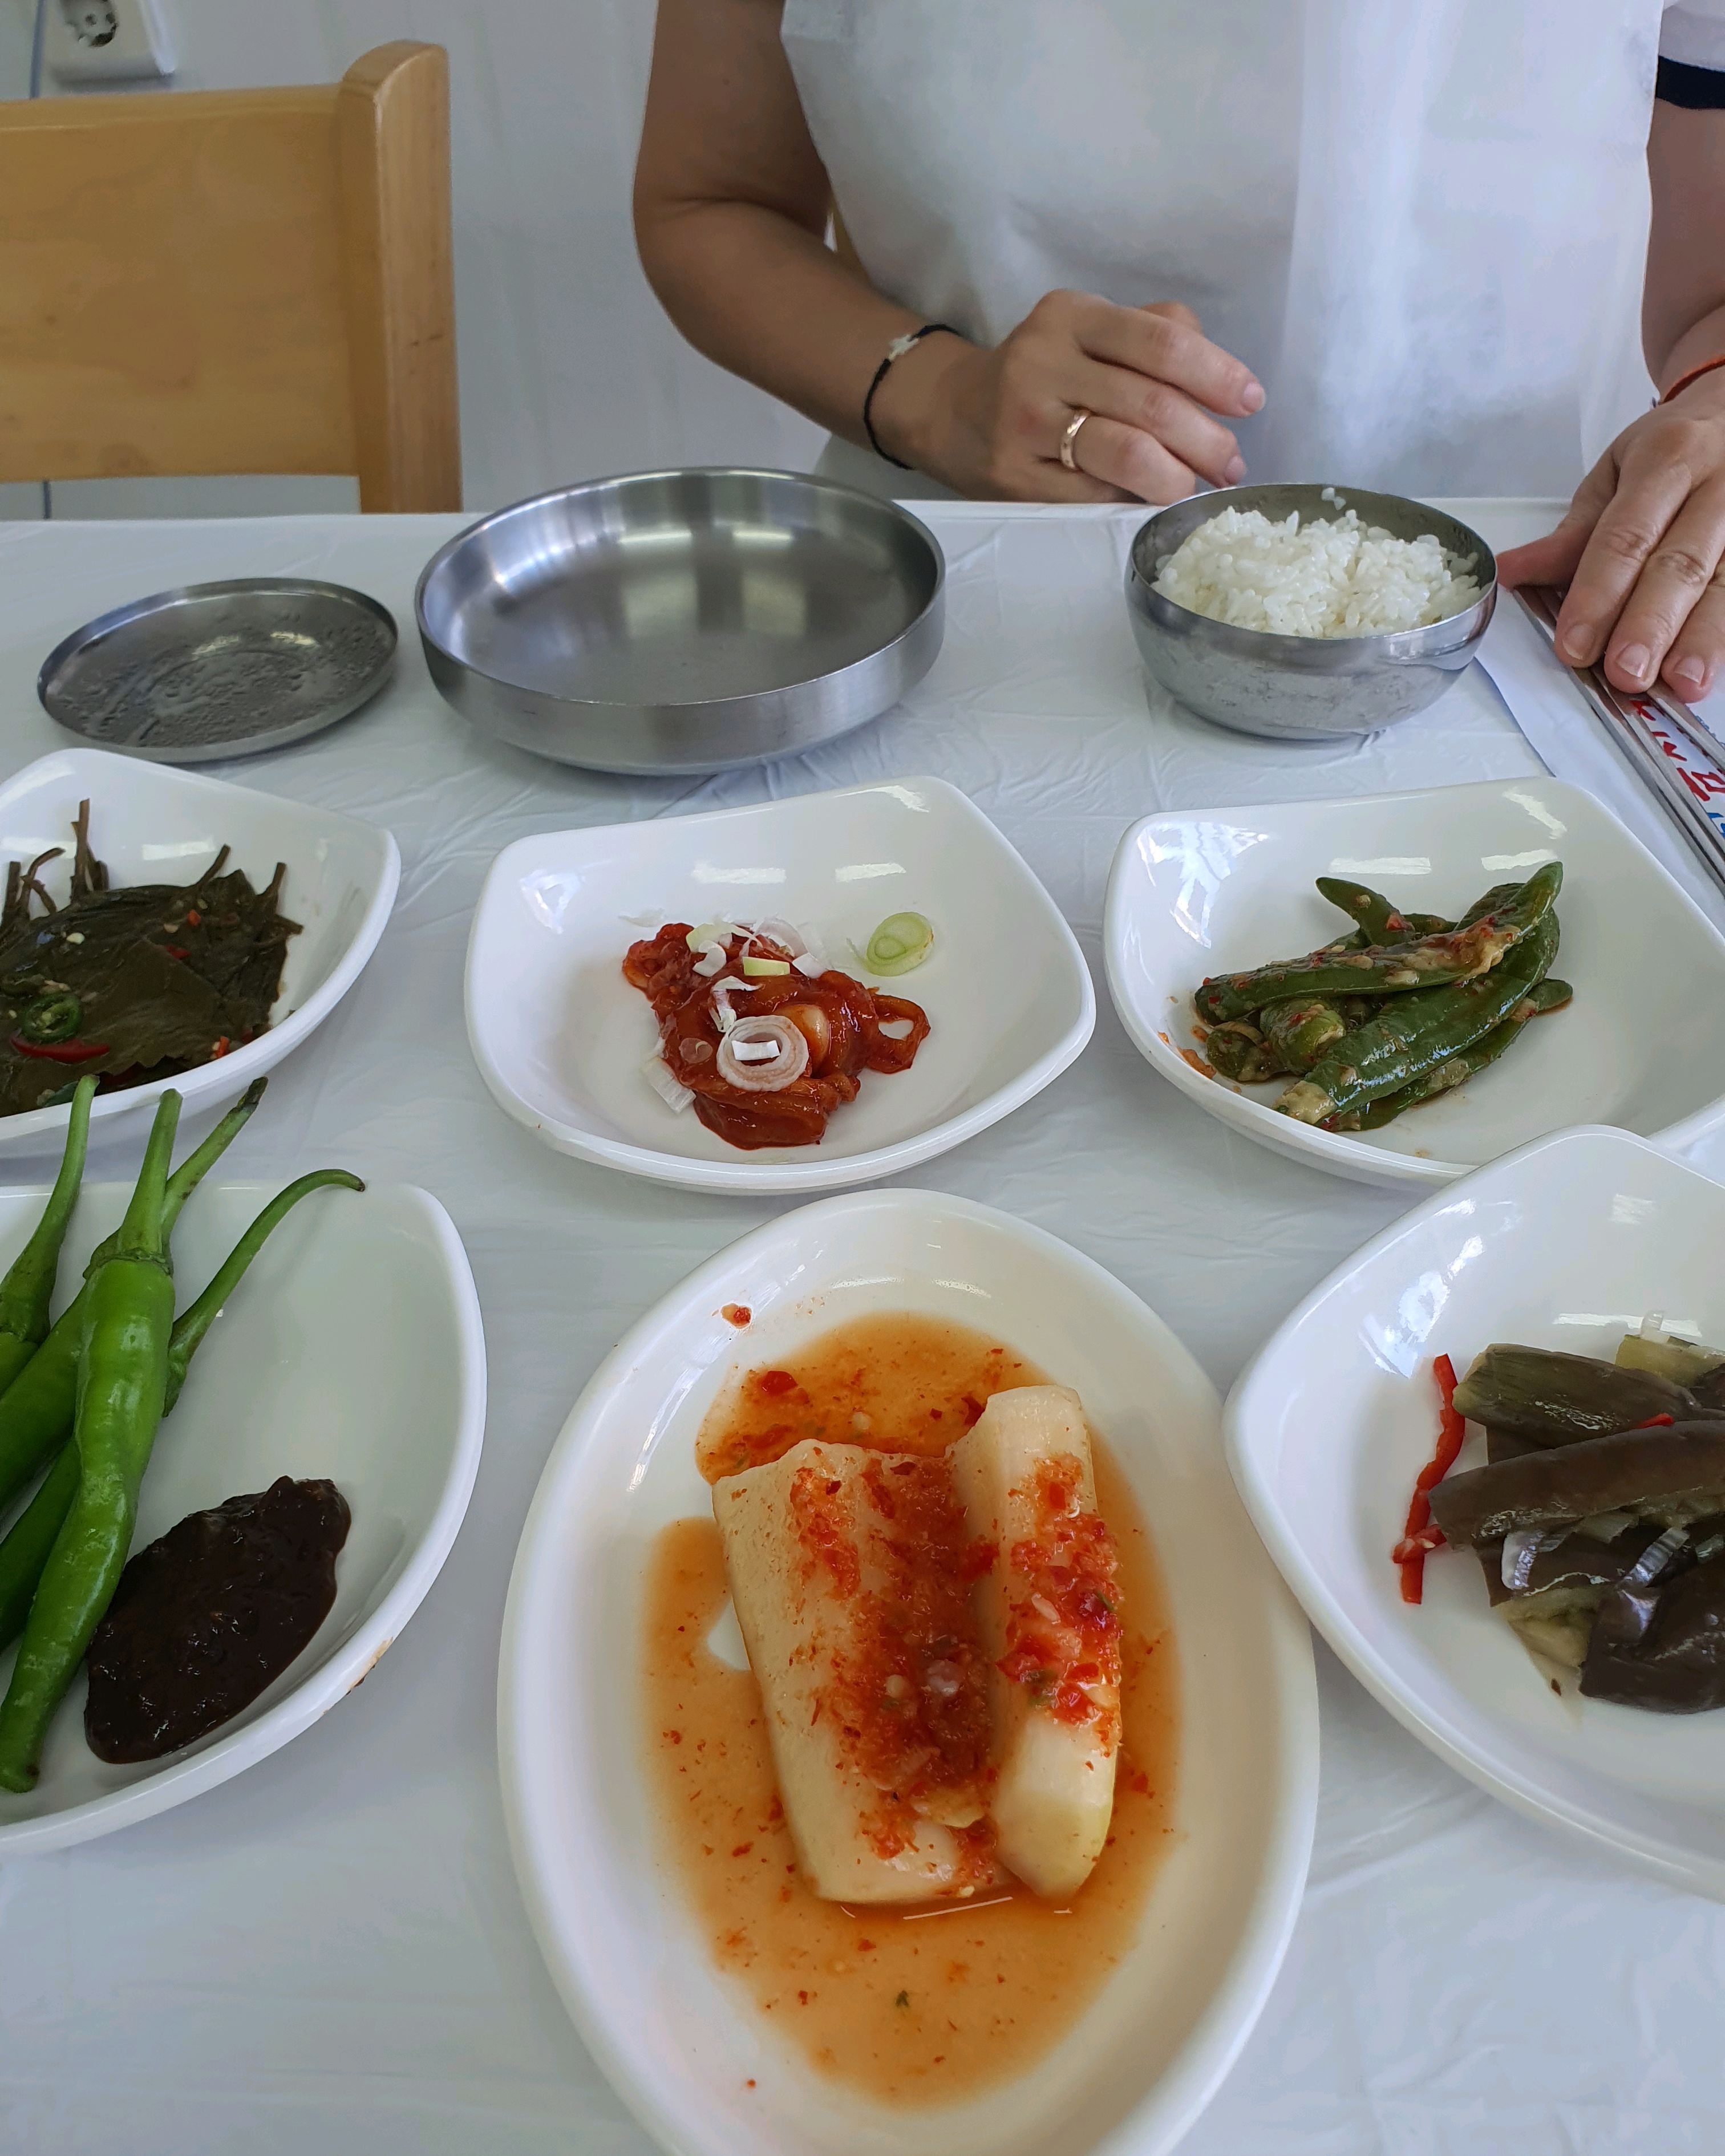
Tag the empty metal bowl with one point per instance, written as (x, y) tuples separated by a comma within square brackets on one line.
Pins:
[(1302, 688), (682, 621)]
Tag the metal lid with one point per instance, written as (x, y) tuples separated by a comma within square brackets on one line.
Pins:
[(220, 669)]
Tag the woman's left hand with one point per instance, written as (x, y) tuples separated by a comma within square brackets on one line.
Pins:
[(1641, 548)]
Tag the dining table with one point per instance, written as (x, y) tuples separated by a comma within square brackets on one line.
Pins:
[(330, 1952)]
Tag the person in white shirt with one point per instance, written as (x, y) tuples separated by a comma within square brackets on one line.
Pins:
[(1109, 250)]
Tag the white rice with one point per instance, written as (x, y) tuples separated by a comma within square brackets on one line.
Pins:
[(1319, 579)]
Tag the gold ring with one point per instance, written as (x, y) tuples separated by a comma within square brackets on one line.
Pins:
[(1070, 437)]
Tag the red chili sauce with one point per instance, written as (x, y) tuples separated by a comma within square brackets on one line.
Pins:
[(839, 1017), (911, 1701), (1063, 1636)]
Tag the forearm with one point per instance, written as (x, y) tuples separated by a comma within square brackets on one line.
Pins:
[(1683, 301), (768, 299), (1701, 342)]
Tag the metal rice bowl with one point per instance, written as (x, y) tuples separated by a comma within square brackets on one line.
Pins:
[(1302, 688)]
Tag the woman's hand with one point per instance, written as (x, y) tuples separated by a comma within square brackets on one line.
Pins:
[(990, 423), (1640, 550)]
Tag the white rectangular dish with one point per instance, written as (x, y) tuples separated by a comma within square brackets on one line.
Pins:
[(1568, 1245), (1204, 891), (682, 2042), (560, 1037), (152, 823), (351, 1350)]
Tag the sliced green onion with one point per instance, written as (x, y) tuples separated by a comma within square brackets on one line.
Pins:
[(899, 944), (757, 969)]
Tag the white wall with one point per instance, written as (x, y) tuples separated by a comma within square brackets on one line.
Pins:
[(568, 367)]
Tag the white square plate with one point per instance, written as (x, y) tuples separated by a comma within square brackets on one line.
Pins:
[(152, 823), (686, 2047), (1207, 891), (559, 1036), (1566, 1244), (350, 1350)]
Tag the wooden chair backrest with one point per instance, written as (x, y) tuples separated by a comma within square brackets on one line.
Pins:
[(235, 281)]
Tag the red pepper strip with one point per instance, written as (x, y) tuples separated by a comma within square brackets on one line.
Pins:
[(1419, 1536), (175, 950), (60, 1052), (1657, 1422)]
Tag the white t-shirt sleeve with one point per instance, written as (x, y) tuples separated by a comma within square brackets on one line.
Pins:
[(1694, 35)]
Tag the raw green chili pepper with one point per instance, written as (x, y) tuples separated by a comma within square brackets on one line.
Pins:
[(29, 1538), (36, 1408), (197, 1318), (48, 1019), (1459, 954), (1413, 1034), (24, 1550), (122, 1381), (28, 1289)]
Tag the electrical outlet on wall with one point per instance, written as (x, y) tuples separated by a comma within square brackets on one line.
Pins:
[(106, 41)]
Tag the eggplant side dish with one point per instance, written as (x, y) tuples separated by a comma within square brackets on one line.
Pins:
[(1598, 1518), (133, 984)]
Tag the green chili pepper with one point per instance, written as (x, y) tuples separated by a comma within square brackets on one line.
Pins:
[(197, 1318), (1239, 1051), (1499, 895), (36, 1408), (1413, 1034), (1549, 995), (30, 1538), (1380, 922), (49, 1019), (24, 1550), (28, 1289), (1459, 954), (122, 1382), (1299, 1029)]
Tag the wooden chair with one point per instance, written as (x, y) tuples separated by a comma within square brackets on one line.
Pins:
[(235, 281)]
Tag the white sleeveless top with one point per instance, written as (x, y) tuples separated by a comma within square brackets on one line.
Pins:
[(1421, 223)]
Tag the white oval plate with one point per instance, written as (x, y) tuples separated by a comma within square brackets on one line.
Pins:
[(1204, 890), (627, 1952), (559, 1036), (1564, 1244), (152, 823), (352, 1349)]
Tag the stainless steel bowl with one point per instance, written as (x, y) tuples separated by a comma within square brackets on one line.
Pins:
[(1301, 688), (682, 621)]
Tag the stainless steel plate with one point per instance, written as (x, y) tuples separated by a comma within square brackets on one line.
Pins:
[(682, 621), (220, 669)]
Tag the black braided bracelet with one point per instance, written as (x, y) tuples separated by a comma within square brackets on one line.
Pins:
[(896, 350)]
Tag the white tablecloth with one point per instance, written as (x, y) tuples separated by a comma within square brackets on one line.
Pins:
[(328, 1953)]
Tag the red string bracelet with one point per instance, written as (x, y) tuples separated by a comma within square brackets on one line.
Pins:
[(1694, 374)]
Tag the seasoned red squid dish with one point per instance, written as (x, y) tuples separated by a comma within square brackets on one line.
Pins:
[(763, 1045)]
